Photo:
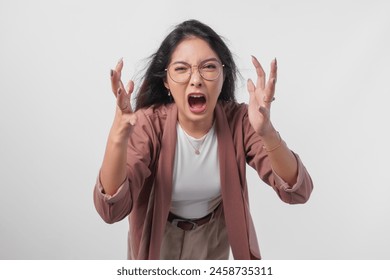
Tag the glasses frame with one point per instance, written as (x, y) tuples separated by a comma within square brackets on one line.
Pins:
[(198, 67)]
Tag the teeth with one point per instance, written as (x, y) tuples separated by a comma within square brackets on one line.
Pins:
[(196, 96)]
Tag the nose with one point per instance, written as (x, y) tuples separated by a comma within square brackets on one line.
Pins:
[(196, 78)]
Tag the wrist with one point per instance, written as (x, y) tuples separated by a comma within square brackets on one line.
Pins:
[(272, 141), (120, 131)]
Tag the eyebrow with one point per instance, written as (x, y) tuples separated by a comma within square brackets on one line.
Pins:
[(202, 62)]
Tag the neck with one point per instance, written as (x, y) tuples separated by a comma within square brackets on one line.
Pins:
[(196, 129)]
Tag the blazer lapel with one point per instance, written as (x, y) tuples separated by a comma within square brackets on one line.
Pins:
[(233, 205), (163, 182)]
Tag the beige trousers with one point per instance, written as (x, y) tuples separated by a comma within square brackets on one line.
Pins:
[(207, 242)]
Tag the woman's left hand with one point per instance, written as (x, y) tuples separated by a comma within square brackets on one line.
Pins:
[(260, 98)]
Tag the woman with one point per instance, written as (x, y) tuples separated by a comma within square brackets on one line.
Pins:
[(176, 165)]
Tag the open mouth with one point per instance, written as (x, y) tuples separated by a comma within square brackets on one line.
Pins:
[(197, 102)]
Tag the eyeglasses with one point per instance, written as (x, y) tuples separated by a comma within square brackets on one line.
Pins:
[(181, 72)]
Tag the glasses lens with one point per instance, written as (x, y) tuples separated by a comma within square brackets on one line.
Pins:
[(181, 72), (210, 70)]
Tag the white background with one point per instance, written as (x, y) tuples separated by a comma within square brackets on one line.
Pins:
[(56, 109)]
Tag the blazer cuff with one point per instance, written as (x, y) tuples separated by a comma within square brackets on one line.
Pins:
[(117, 196), (284, 186)]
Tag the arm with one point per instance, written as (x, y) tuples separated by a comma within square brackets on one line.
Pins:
[(113, 170), (112, 195), (259, 159), (288, 172), (115, 206), (282, 159)]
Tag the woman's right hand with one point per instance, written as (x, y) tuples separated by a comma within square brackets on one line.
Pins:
[(114, 171), (125, 118)]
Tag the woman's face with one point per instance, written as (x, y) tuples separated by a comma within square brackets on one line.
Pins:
[(196, 98)]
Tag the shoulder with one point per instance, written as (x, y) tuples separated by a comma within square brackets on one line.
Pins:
[(236, 116), (234, 111), (155, 111), (155, 116), (148, 130)]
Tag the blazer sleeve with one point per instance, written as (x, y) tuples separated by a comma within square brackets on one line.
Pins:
[(257, 158), (113, 208)]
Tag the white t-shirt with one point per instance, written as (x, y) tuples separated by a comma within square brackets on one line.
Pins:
[(196, 179)]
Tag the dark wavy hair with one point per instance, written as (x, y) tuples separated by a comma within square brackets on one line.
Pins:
[(152, 90)]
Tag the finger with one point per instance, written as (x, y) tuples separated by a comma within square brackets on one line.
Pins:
[(270, 89), (260, 73), (119, 66), (269, 93), (130, 87), (274, 71), (118, 70), (114, 83), (250, 86), (123, 101), (251, 89), (267, 102), (116, 77), (264, 111)]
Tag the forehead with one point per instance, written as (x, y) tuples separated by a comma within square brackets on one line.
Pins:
[(193, 50)]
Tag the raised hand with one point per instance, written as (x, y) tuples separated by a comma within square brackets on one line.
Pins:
[(114, 168), (260, 98), (122, 94)]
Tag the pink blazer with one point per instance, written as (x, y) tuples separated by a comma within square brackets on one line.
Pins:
[(145, 196)]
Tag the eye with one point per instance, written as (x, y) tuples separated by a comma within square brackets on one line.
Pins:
[(180, 68), (209, 66)]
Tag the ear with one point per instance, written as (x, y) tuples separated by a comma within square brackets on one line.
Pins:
[(166, 84)]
